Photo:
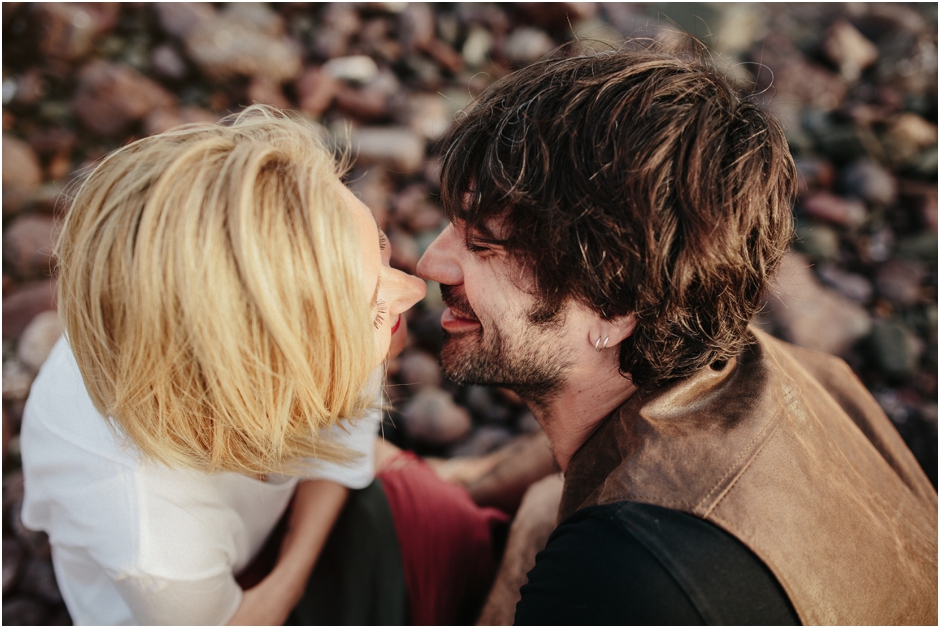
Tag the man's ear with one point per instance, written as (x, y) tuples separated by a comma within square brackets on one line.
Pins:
[(611, 332)]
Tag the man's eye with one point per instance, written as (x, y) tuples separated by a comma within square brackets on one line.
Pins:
[(476, 248)]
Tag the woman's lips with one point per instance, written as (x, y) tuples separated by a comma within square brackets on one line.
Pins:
[(397, 324), (454, 323)]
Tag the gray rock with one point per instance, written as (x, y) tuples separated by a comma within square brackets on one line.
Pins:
[(835, 209), (483, 441), (819, 242), (179, 19), (854, 286), (899, 280), (485, 405), (28, 243), (922, 246), (417, 368), (527, 45), (810, 315), (167, 62), (432, 417), (400, 149), (357, 69), (429, 115), (477, 46), (38, 339), (111, 96), (895, 349), (868, 180)]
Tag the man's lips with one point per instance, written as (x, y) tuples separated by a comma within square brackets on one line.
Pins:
[(455, 322)]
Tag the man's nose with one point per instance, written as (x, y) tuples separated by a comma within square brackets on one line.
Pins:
[(440, 261)]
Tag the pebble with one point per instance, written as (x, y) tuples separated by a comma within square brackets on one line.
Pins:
[(894, 348), (429, 115), (811, 315), (906, 136), (527, 45), (477, 46), (483, 441), (315, 91), (835, 209), (819, 242), (400, 149), (28, 243), (854, 286), (405, 253), (17, 380), (179, 19), (814, 173), (414, 209), (69, 31), (899, 280), (263, 90), (168, 63), (28, 300), (111, 96), (38, 338), (340, 23), (432, 417), (417, 368), (485, 405), (166, 118), (20, 164), (416, 26), (357, 69), (227, 45), (849, 50), (870, 181)]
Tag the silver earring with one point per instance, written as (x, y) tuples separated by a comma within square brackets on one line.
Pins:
[(597, 345)]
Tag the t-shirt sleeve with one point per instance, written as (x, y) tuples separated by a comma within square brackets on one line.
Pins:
[(162, 602), (629, 563)]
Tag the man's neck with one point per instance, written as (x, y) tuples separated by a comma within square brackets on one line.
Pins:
[(571, 415)]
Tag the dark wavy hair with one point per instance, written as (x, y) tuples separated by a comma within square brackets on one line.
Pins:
[(632, 182)]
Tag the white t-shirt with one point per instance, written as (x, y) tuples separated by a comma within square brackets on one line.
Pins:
[(134, 542)]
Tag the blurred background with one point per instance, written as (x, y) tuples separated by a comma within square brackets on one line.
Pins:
[(855, 86)]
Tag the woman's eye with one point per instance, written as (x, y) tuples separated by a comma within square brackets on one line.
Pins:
[(383, 241), (382, 310)]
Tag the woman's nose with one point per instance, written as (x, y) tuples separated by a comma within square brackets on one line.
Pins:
[(411, 290)]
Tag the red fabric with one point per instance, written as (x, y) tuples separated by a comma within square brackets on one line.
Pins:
[(446, 540)]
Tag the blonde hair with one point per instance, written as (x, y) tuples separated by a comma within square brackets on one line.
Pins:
[(211, 290)]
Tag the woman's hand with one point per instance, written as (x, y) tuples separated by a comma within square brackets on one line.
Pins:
[(317, 504)]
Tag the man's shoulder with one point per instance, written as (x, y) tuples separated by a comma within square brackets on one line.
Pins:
[(629, 563)]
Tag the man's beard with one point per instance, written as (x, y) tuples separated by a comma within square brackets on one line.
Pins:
[(529, 363)]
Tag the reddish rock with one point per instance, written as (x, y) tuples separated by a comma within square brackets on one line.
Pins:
[(68, 31), (20, 307), (111, 96), (835, 209), (53, 141), (446, 56), (417, 26), (28, 242), (315, 91), (810, 315), (20, 165), (164, 119), (263, 90), (814, 173), (849, 50)]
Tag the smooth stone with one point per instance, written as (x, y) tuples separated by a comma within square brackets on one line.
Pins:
[(111, 96), (166, 118), (315, 91), (854, 286), (819, 242), (417, 368), (28, 300), (895, 349), (400, 149), (28, 244), (69, 31), (848, 49), (20, 164), (432, 417), (527, 45), (899, 280), (835, 209), (17, 379), (167, 62), (358, 69), (38, 338), (870, 181), (178, 19)]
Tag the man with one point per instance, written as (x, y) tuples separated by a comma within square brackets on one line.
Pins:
[(615, 221)]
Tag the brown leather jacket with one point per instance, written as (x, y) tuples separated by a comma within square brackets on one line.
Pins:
[(786, 450)]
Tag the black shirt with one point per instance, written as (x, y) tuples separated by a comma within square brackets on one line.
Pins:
[(630, 563)]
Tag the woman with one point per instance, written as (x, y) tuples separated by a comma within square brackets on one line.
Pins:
[(225, 299)]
